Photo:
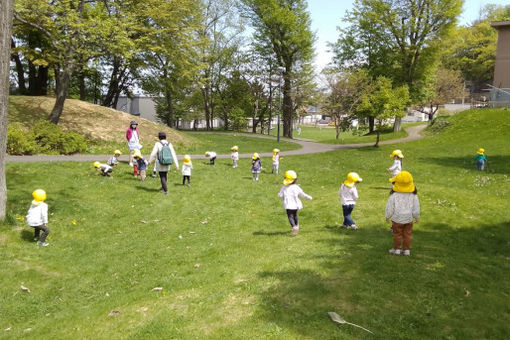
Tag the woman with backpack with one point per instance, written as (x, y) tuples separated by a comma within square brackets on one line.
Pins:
[(164, 152)]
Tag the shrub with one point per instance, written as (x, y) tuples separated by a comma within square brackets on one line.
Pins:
[(17, 141)]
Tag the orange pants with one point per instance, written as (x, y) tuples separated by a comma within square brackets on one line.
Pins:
[(402, 231)]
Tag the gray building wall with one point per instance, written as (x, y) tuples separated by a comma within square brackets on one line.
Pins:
[(139, 106)]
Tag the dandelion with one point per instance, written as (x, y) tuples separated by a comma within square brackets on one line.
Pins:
[(20, 218), (74, 222)]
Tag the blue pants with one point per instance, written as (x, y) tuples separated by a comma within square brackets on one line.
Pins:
[(480, 164), (347, 210)]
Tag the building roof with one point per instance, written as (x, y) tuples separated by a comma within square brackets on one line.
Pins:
[(497, 24)]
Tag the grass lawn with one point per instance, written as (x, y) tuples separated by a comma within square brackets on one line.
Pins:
[(221, 252)]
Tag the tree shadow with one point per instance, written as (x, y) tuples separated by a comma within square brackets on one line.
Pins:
[(499, 164), (275, 233)]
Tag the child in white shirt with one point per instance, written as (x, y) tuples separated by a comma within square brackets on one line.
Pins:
[(276, 161), (105, 169), (349, 194), (37, 217), (290, 193), (235, 156), (186, 169), (397, 156), (114, 160), (211, 155)]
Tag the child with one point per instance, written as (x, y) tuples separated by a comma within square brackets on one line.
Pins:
[(141, 163), (276, 161), (256, 166), (480, 159), (290, 193), (186, 169), (105, 169), (349, 194), (235, 156), (211, 155), (114, 160), (402, 207), (37, 217), (397, 162)]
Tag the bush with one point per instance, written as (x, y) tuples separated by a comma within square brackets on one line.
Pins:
[(17, 141), (45, 138)]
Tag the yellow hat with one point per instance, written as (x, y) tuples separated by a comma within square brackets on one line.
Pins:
[(276, 150), (206, 153), (352, 178), (290, 176), (481, 151), (97, 164), (255, 156), (397, 153), (117, 152), (137, 154), (403, 182), (234, 148), (39, 196), (187, 159)]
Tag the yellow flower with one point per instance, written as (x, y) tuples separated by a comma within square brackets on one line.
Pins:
[(20, 218), (74, 222)]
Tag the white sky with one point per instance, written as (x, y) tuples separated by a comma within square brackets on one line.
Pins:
[(327, 15)]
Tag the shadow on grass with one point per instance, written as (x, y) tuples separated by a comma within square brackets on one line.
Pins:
[(27, 235), (144, 188), (274, 233), (496, 164)]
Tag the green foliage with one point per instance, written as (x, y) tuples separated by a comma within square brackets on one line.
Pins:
[(45, 138), (237, 119)]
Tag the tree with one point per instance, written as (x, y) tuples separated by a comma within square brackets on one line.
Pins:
[(398, 39), (345, 91), (5, 56), (284, 25), (383, 102)]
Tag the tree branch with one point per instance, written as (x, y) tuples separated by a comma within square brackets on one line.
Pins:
[(40, 28)]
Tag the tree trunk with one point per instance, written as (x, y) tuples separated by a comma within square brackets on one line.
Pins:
[(62, 78), (19, 70), (287, 106), (81, 82), (5, 57), (205, 93), (337, 128), (397, 125), (169, 109), (371, 124), (42, 81), (114, 87), (378, 137)]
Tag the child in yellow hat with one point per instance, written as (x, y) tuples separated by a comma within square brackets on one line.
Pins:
[(256, 166), (290, 193), (37, 217), (402, 207), (141, 163), (276, 161), (114, 160), (348, 196), (187, 166), (481, 158), (105, 169), (235, 155), (211, 155), (397, 156)]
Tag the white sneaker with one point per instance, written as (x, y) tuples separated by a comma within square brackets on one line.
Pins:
[(407, 252), (395, 251), (353, 227), (42, 244)]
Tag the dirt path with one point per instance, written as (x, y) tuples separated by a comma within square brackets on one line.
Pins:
[(307, 147)]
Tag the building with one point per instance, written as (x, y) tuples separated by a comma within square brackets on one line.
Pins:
[(500, 94)]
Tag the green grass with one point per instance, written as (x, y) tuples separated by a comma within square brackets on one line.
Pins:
[(253, 280)]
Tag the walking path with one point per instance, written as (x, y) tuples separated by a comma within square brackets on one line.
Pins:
[(307, 147)]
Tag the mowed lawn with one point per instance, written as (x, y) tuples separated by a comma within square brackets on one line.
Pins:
[(220, 250)]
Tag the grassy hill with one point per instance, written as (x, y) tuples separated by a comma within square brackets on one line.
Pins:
[(221, 253)]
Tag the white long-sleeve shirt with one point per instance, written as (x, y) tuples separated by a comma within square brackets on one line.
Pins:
[(348, 195), (212, 154), (396, 168), (235, 156), (155, 152), (186, 169), (37, 214), (290, 196), (402, 207)]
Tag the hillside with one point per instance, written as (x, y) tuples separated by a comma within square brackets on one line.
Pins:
[(95, 122)]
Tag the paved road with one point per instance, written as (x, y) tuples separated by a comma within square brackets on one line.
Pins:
[(307, 147)]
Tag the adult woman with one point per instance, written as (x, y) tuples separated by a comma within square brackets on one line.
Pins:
[(133, 144)]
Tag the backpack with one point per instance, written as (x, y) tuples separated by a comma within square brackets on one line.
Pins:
[(165, 155)]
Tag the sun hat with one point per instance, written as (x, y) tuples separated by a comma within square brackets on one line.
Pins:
[(234, 148), (255, 156), (39, 196), (352, 178), (481, 151), (276, 150), (137, 153), (206, 153), (97, 164), (133, 122), (290, 176), (117, 152), (187, 159), (403, 182), (397, 153)]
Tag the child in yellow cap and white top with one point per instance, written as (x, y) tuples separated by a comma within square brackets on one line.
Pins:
[(402, 207), (256, 166), (234, 156), (348, 196), (187, 166), (276, 161), (211, 155), (290, 193), (397, 156), (37, 217)]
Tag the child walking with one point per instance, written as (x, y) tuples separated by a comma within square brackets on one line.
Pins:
[(256, 166), (397, 156), (105, 169), (211, 155), (234, 156), (276, 161), (37, 217), (348, 196), (402, 207), (480, 159), (142, 165), (186, 169), (114, 160), (290, 193)]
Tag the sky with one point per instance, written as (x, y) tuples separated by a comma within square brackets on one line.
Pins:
[(327, 14)]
